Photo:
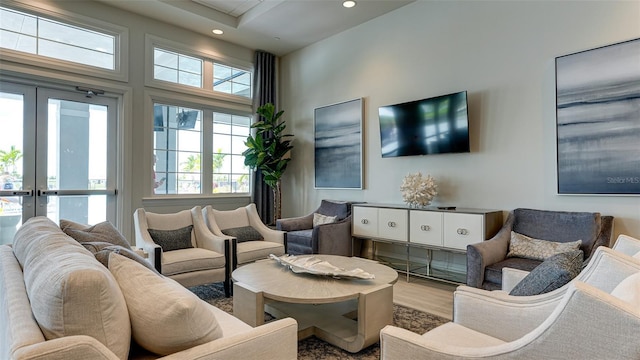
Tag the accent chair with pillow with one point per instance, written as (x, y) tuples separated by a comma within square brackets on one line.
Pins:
[(180, 246), (511, 278), (595, 316), (324, 231), (251, 240), (529, 237)]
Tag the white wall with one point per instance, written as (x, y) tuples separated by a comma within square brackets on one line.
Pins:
[(503, 53)]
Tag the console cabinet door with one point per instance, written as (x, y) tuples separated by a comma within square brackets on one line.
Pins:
[(393, 224), (365, 221), (425, 227), (461, 230)]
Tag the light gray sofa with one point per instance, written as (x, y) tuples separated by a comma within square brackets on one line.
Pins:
[(58, 302)]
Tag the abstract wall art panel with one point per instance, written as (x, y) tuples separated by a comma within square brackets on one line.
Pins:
[(598, 120), (338, 145)]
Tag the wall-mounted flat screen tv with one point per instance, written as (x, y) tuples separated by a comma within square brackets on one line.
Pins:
[(434, 125)]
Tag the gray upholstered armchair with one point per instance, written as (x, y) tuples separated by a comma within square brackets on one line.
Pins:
[(486, 260), (331, 238)]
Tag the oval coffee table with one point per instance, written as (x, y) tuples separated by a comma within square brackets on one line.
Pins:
[(348, 313)]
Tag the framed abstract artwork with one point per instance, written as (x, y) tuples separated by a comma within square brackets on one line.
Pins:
[(338, 145), (598, 120)]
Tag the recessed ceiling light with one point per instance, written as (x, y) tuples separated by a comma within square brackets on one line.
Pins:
[(217, 31), (349, 3)]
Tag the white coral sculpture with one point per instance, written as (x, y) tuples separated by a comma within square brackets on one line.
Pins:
[(418, 190)]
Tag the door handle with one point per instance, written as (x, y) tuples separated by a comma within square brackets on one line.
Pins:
[(76, 192), (17, 193)]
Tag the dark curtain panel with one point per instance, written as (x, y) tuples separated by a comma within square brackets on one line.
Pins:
[(264, 91)]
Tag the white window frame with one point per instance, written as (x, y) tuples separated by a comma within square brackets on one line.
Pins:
[(208, 59), (168, 97), (121, 46)]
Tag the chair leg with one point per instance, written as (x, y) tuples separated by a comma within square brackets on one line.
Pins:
[(227, 288), (227, 275)]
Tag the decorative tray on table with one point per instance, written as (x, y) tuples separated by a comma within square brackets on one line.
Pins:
[(315, 266)]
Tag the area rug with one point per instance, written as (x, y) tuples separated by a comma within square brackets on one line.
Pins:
[(313, 348)]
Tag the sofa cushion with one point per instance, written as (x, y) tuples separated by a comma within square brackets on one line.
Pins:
[(319, 219), (104, 232), (553, 273), (170, 240), (256, 250), (300, 237), (530, 248), (243, 233), (70, 292), (493, 272), (191, 259), (165, 316)]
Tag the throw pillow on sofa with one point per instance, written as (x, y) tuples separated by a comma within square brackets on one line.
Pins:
[(101, 251), (70, 292), (104, 231), (552, 274), (165, 316), (529, 248)]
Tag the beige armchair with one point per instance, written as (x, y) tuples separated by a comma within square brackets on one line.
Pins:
[(587, 319), (251, 240), (627, 245), (202, 259)]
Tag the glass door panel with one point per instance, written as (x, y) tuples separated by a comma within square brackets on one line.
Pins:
[(16, 200), (80, 158)]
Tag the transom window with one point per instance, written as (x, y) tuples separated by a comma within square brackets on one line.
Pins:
[(180, 66), (45, 37), (231, 80), (177, 68)]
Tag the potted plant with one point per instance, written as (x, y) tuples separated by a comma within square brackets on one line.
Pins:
[(268, 151)]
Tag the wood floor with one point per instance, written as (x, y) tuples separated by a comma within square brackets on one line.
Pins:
[(430, 296)]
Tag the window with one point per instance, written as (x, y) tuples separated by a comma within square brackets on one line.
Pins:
[(45, 37), (177, 150), (185, 162), (172, 66), (230, 80), (230, 175), (177, 68)]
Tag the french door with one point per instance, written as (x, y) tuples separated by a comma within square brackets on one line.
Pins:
[(57, 156)]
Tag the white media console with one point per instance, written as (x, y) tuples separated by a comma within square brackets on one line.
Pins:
[(421, 232)]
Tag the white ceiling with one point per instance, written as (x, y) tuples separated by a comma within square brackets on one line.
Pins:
[(277, 26)]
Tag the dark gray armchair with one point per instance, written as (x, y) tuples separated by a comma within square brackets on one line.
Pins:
[(332, 239), (486, 260)]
